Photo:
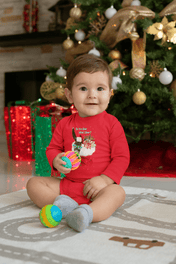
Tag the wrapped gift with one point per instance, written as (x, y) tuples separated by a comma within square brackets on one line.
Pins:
[(43, 134), (17, 118), (45, 120)]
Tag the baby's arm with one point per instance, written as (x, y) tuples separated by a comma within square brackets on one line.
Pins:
[(58, 164)]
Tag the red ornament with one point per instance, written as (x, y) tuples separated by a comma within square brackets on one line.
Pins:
[(31, 14)]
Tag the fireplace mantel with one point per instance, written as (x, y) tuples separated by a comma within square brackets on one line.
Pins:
[(32, 39)]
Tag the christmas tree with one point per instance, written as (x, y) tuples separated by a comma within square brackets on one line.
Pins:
[(137, 39)]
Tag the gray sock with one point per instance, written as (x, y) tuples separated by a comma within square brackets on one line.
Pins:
[(65, 204), (80, 218)]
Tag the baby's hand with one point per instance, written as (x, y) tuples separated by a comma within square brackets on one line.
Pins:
[(58, 164), (93, 186)]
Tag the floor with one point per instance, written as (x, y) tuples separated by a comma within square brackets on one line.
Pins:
[(14, 176)]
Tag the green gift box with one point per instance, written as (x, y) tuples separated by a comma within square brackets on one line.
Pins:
[(45, 119), (43, 134)]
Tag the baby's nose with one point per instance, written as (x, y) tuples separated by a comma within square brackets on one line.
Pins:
[(92, 94)]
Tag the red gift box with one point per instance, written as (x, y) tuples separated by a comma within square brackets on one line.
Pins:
[(18, 131)]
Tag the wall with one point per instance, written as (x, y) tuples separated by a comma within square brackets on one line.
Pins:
[(28, 57)]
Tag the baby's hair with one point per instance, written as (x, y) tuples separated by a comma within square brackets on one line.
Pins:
[(87, 63)]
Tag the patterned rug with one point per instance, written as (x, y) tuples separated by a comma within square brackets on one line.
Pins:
[(143, 231)]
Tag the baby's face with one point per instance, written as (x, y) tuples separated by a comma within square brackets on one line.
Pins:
[(90, 93)]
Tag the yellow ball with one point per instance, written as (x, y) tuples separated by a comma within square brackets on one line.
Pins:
[(68, 44), (139, 98)]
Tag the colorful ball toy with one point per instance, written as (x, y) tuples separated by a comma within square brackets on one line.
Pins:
[(72, 159), (50, 215)]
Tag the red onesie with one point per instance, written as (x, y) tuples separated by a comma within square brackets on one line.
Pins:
[(102, 145)]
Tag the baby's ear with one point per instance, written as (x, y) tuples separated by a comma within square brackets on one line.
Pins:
[(68, 94)]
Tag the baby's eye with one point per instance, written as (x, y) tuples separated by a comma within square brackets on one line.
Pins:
[(83, 88), (100, 88)]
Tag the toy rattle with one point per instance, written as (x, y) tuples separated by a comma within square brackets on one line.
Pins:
[(72, 159), (50, 215)]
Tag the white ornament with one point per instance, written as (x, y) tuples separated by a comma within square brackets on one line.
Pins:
[(135, 3), (61, 72), (48, 79), (115, 81), (95, 52), (80, 35), (110, 12), (165, 77)]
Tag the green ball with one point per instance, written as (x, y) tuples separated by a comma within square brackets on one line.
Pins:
[(50, 215)]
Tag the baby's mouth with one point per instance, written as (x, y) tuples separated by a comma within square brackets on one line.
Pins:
[(91, 104)]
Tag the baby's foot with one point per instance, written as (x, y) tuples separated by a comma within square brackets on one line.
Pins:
[(65, 204), (80, 218)]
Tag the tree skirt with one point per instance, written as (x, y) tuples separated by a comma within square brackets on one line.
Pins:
[(152, 159)]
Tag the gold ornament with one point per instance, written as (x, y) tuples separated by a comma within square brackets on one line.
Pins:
[(47, 90), (120, 26), (115, 64), (139, 97), (137, 73), (59, 92), (115, 54), (164, 30), (155, 69), (173, 87), (75, 12), (68, 43)]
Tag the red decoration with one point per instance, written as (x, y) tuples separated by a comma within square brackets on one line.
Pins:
[(18, 132), (30, 16), (20, 126)]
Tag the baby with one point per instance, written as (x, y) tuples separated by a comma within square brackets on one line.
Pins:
[(92, 192)]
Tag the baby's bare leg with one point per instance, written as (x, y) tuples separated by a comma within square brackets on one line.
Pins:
[(43, 190), (107, 201), (104, 205)]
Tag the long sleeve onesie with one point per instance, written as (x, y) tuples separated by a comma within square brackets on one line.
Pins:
[(101, 143)]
